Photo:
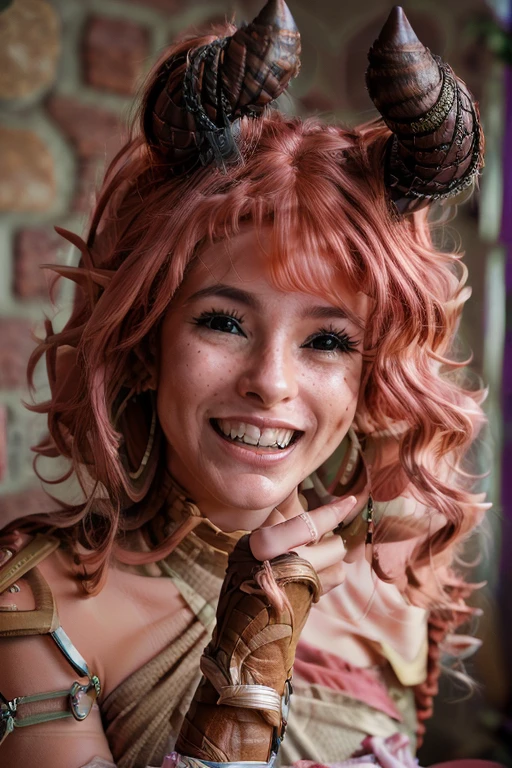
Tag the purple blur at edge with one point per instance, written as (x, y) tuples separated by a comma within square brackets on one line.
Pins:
[(506, 458), (506, 239)]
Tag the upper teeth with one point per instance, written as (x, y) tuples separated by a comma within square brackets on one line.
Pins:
[(252, 435)]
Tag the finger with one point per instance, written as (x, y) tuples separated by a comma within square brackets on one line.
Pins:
[(332, 577), (267, 543), (328, 552), (361, 502)]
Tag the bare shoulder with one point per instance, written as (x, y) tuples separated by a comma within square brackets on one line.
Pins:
[(131, 620), (118, 630), (33, 664)]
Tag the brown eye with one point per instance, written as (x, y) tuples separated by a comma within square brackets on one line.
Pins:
[(224, 322), (331, 341), (325, 343)]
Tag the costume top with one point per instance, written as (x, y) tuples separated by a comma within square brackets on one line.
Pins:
[(335, 703)]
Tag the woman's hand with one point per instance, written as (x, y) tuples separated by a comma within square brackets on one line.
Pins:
[(310, 535)]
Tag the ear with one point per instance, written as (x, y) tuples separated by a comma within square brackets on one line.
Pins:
[(151, 382), (153, 361), (145, 365), (150, 373)]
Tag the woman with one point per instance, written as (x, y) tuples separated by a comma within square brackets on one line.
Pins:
[(260, 310)]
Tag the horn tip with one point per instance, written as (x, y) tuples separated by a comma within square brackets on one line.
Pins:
[(397, 30), (277, 14)]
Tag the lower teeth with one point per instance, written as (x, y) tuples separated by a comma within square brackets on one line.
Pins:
[(239, 440)]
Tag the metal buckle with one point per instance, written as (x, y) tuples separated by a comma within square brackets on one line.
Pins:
[(80, 693), (285, 711), (6, 718)]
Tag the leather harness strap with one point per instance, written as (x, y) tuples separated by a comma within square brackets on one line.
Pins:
[(43, 619), (24, 560)]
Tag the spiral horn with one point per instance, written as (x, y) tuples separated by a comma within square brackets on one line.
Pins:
[(198, 94), (437, 145)]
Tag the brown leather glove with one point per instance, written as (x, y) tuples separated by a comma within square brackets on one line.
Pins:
[(239, 709)]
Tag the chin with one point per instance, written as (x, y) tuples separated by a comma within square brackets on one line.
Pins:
[(250, 494)]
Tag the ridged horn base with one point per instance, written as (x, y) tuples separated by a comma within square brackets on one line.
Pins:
[(437, 146)]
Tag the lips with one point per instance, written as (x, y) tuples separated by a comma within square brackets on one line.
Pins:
[(249, 434)]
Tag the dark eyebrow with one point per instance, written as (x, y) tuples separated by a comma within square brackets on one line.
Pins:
[(320, 312), (227, 292)]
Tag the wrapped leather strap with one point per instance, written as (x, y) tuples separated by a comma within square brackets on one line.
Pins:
[(239, 710)]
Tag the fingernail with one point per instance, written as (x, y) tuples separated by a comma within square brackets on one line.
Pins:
[(347, 505), (349, 500)]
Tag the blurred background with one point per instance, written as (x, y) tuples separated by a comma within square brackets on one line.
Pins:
[(69, 70)]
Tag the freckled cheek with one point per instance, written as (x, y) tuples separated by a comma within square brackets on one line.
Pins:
[(191, 373), (335, 401)]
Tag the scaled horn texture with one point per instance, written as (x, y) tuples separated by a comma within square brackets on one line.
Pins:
[(437, 146), (198, 94)]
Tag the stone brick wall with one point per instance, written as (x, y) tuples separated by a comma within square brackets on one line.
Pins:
[(69, 70)]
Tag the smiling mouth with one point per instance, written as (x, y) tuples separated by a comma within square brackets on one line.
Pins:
[(251, 436)]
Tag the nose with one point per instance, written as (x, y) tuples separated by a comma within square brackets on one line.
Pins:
[(270, 375)]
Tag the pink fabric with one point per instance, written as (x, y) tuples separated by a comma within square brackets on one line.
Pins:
[(468, 764), (320, 667), (393, 752), (368, 608)]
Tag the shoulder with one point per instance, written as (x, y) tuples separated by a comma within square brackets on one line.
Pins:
[(32, 664), (130, 621), (126, 624), (122, 627)]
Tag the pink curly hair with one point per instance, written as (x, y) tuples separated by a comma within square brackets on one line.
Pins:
[(321, 187)]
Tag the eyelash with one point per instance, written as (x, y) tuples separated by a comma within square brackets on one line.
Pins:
[(205, 319), (345, 343)]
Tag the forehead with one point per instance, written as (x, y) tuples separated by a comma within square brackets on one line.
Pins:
[(244, 257), (248, 260)]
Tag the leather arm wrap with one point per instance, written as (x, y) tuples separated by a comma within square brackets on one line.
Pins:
[(237, 713)]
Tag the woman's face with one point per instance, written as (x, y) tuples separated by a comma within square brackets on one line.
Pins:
[(257, 386)]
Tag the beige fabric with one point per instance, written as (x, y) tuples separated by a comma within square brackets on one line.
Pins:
[(143, 715), (329, 727), (366, 607)]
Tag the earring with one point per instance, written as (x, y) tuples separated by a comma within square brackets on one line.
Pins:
[(354, 450), (370, 527), (368, 514), (133, 417), (149, 447), (368, 518)]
